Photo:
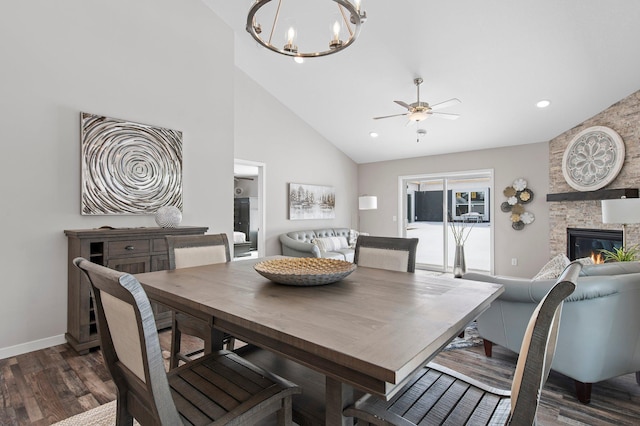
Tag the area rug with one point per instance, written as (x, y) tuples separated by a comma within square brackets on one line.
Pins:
[(471, 338), (104, 415)]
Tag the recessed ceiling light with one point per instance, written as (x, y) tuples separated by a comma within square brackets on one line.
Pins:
[(373, 134), (543, 103), (298, 59)]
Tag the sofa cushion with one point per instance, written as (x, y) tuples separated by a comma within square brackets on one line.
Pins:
[(306, 236), (323, 233), (331, 243), (353, 237), (341, 232), (553, 268), (348, 254)]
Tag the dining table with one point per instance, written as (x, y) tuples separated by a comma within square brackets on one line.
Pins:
[(368, 332)]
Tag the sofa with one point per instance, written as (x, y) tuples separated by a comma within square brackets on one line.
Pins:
[(331, 243), (599, 336)]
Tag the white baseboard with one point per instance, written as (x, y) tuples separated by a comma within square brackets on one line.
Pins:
[(34, 345)]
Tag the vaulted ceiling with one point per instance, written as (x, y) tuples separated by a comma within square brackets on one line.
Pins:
[(499, 57)]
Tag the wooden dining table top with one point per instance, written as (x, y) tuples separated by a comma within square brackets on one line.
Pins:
[(371, 330)]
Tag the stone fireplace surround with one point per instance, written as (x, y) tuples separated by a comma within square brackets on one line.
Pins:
[(624, 118)]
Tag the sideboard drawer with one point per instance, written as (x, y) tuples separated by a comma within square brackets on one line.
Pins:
[(129, 247)]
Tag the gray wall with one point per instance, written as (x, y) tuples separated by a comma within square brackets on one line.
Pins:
[(292, 152), (167, 63), (530, 245)]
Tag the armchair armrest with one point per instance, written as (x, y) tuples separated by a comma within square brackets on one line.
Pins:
[(524, 290), (297, 248)]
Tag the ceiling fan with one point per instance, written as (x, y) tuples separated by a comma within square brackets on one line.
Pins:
[(418, 111)]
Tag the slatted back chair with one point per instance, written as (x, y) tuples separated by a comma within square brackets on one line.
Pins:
[(219, 388), (187, 251), (396, 254), (439, 395)]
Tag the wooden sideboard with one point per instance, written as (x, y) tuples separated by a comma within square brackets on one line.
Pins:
[(132, 250)]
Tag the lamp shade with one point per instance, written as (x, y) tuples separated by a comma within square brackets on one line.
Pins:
[(367, 202), (622, 211)]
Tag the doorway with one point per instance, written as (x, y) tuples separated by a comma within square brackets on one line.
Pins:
[(249, 209), (432, 203)]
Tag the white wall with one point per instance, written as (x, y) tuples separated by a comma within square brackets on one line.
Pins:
[(267, 132), (167, 63), (530, 245)]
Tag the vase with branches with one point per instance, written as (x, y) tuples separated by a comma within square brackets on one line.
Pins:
[(460, 231)]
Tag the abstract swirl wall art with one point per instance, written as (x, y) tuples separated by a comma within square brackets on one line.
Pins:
[(129, 168)]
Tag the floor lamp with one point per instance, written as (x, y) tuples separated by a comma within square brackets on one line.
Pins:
[(625, 211)]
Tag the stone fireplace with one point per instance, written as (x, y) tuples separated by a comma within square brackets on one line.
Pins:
[(589, 242), (623, 117)]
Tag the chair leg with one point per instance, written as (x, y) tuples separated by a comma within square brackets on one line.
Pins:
[(231, 342), (285, 416), (176, 335), (123, 418), (583, 391), (488, 348)]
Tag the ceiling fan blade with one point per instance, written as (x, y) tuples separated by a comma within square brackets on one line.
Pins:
[(389, 116), (446, 115), (403, 104), (446, 104)]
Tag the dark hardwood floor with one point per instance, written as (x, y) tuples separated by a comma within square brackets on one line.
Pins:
[(43, 387)]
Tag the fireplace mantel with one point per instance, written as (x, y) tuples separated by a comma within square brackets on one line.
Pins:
[(603, 194)]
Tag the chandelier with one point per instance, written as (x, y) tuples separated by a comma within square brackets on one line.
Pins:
[(319, 33)]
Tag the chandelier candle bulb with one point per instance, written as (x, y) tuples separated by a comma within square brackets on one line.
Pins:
[(290, 47)]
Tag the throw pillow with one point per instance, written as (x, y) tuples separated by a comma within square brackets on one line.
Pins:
[(553, 268), (353, 237), (331, 243)]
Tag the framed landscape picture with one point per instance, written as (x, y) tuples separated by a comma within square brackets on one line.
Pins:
[(311, 201)]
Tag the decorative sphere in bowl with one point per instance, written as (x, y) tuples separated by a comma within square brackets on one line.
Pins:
[(168, 217)]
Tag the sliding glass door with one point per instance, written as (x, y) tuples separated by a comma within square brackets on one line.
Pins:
[(432, 204)]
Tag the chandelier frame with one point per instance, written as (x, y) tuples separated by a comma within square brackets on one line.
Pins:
[(355, 17)]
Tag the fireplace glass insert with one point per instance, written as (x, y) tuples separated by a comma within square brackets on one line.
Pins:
[(589, 242)]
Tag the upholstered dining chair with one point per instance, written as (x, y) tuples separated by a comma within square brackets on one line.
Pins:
[(187, 251), (396, 254), (217, 388), (439, 395)]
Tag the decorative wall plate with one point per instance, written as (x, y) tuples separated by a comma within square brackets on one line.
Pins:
[(593, 158)]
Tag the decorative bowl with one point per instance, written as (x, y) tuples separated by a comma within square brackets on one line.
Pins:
[(304, 271)]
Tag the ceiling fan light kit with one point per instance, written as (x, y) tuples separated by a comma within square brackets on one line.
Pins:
[(418, 111), (349, 17)]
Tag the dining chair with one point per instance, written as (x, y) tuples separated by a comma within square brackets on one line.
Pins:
[(187, 251), (439, 395), (396, 254), (217, 388)]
